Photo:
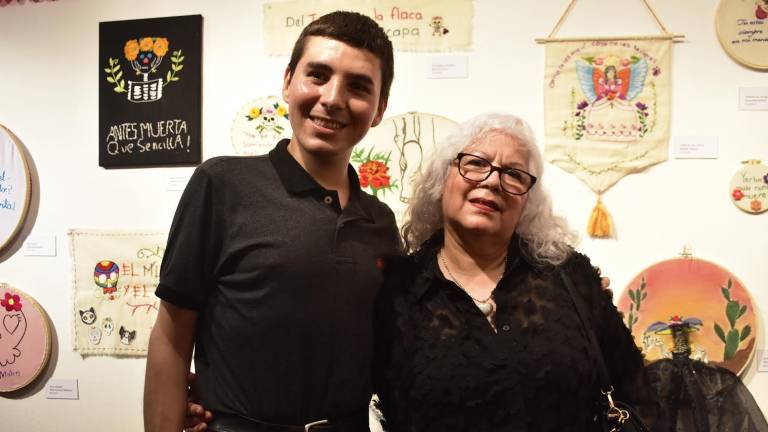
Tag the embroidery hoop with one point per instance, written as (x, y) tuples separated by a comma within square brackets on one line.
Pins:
[(405, 137), (600, 224), (18, 168), (742, 199), (728, 11), (42, 347), (246, 139), (691, 268)]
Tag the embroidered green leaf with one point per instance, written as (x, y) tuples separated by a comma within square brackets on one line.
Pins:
[(726, 293), (719, 332), (732, 312), (745, 332), (731, 344)]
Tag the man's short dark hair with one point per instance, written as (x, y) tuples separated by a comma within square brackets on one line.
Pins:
[(356, 30)]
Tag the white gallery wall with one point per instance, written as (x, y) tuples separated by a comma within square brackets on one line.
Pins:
[(49, 74)]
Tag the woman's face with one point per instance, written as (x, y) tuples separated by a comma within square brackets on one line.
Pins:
[(484, 208)]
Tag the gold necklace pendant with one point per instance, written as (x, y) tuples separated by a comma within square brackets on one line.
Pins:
[(487, 306)]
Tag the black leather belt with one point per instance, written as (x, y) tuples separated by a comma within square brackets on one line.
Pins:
[(223, 422)]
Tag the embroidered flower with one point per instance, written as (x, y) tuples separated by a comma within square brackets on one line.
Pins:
[(161, 47), (282, 111), (583, 104), (375, 174), (641, 106), (765, 179), (146, 44), (131, 50), (656, 71), (254, 113), (755, 205), (598, 61), (761, 13), (11, 302), (737, 194)]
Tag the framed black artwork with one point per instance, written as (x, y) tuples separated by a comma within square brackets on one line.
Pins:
[(150, 89)]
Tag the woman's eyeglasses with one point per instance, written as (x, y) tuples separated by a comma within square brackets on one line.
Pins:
[(513, 181)]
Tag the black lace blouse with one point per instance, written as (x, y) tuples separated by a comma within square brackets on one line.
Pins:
[(441, 366)]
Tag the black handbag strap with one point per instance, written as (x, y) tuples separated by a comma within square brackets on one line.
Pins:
[(595, 352)]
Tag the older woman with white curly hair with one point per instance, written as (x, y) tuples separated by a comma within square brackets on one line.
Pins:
[(475, 328)]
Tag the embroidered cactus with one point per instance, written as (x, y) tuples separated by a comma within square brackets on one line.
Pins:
[(637, 296), (733, 311)]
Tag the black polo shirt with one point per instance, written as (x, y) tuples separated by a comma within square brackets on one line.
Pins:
[(284, 281)]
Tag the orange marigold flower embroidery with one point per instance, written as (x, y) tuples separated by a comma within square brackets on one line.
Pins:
[(756, 205), (161, 47), (131, 50), (375, 174), (146, 44)]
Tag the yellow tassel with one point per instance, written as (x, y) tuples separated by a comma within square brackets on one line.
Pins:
[(600, 225)]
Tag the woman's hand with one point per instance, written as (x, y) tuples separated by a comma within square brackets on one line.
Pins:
[(605, 281)]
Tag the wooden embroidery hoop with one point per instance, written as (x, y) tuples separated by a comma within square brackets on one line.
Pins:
[(14, 142), (27, 300), (756, 168), (746, 58), (736, 366), (241, 127)]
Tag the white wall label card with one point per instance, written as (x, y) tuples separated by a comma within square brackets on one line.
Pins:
[(447, 67), (695, 147), (62, 389), (44, 246), (177, 182), (753, 98), (761, 358)]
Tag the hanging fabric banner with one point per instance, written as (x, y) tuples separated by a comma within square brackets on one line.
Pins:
[(115, 274), (607, 108), (415, 25)]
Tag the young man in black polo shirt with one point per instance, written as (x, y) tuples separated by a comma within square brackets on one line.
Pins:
[(273, 262)]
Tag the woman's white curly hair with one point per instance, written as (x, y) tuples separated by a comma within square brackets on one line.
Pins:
[(546, 235)]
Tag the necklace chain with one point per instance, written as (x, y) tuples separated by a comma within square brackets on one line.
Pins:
[(450, 273)]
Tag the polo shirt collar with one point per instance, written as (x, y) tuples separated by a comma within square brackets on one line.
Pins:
[(297, 180)]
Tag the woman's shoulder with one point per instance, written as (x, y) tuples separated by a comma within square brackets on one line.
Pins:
[(585, 277)]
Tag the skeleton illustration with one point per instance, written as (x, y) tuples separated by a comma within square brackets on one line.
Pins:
[(651, 341), (407, 140), (437, 26), (105, 276)]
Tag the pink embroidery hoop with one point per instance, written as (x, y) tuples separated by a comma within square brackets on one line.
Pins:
[(24, 356)]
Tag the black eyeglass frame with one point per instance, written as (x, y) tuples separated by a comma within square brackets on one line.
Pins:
[(491, 170)]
